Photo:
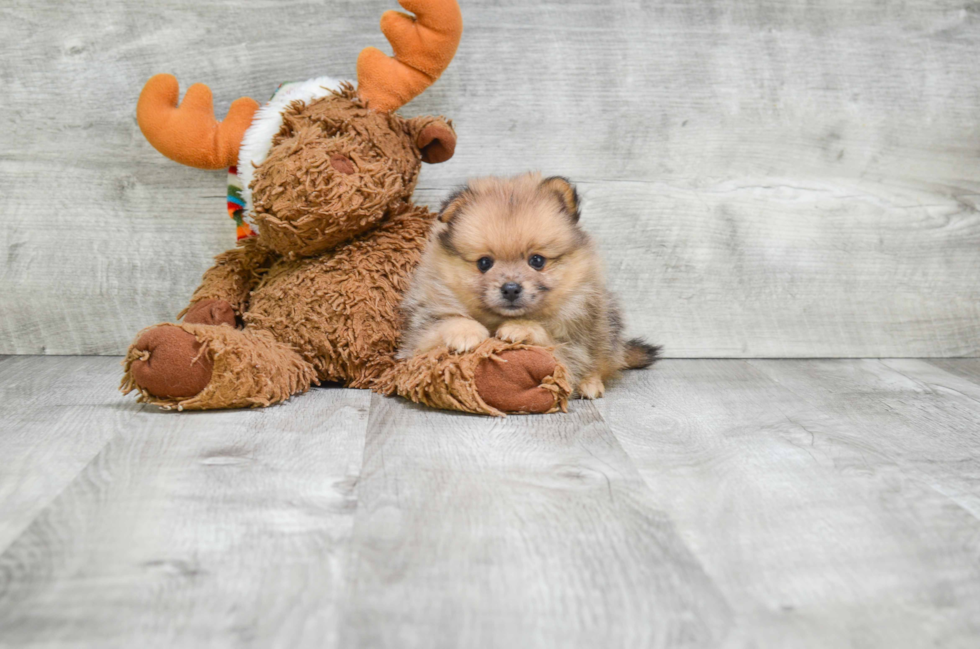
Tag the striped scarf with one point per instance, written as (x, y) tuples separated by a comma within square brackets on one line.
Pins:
[(236, 205)]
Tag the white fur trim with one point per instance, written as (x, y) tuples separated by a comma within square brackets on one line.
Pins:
[(266, 123)]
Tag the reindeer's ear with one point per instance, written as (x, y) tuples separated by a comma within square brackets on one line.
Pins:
[(434, 137), (452, 205), (566, 193)]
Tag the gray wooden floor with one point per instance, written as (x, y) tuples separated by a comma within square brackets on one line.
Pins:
[(726, 503)]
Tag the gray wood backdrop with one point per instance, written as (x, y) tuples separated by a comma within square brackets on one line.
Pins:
[(766, 178)]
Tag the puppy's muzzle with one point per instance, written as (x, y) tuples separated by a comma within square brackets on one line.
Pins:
[(511, 291)]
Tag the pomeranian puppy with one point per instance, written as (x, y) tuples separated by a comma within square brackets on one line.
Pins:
[(507, 258)]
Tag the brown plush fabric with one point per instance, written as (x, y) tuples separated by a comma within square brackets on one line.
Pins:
[(522, 380), (234, 274), (250, 368), (303, 204), (213, 312), (435, 139), (442, 379), (169, 362), (341, 310), (342, 163)]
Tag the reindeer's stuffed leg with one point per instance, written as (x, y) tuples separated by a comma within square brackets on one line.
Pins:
[(204, 367), (494, 379)]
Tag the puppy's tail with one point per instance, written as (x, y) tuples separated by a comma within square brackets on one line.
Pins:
[(640, 354)]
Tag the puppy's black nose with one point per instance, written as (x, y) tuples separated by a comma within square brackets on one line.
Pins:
[(511, 291)]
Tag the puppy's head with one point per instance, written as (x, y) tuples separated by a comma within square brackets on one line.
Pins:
[(513, 247)]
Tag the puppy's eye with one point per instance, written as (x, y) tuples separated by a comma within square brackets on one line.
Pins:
[(536, 262), (484, 264)]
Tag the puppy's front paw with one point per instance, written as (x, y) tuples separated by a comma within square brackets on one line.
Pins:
[(462, 334), (591, 387), (523, 331)]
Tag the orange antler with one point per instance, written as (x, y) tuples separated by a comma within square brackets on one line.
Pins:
[(423, 45), (190, 134)]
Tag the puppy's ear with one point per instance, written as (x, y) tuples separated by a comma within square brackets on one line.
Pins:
[(566, 193), (434, 137), (452, 205)]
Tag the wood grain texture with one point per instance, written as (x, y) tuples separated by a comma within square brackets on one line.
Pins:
[(53, 421), (706, 503), (832, 502), (968, 368), (214, 529), (765, 179), (527, 531), (925, 420)]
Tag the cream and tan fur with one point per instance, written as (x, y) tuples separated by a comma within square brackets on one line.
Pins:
[(507, 258)]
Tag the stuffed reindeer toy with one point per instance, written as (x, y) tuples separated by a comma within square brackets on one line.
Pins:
[(329, 237)]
